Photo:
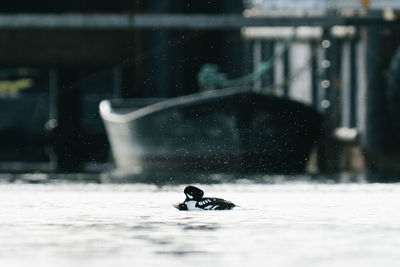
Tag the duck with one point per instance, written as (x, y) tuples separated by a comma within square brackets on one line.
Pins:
[(195, 201)]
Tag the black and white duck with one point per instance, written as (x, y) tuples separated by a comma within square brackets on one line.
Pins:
[(195, 201)]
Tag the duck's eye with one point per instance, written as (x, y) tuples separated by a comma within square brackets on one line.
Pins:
[(191, 193)]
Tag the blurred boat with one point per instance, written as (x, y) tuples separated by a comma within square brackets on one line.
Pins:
[(229, 130)]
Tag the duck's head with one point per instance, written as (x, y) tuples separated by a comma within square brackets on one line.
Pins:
[(193, 193)]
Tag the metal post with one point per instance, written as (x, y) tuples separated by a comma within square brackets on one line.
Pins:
[(332, 51), (328, 149), (257, 58), (64, 124), (346, 83), (362, 84), (286, 73), (268, 53), (353, 84), (159, 73), (314, 76), (52, 122), (376, 119)]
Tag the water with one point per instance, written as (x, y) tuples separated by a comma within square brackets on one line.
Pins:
[(288, 224)]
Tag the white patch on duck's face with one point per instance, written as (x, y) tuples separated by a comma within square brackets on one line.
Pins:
[(189, 196), (191, 205)]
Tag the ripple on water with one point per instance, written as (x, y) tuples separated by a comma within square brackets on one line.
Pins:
[(298, 224)]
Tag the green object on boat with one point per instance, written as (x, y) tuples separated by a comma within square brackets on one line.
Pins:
[(210, 78)]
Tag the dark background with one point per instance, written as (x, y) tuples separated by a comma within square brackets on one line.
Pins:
[(72, 70)]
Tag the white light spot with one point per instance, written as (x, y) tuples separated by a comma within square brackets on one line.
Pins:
[(325, 84), (326, 64), (325, 103), (326, 44)]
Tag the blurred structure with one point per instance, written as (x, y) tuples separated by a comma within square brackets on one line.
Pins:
[(58, 62), (340, 65), (267, 6), (233, 130)]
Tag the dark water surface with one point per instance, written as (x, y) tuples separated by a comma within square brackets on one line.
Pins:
[(286, 222)]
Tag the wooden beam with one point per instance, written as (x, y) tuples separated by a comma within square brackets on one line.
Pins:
[(175, 21)]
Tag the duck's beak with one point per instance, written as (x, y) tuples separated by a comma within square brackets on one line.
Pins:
[(176, 206)]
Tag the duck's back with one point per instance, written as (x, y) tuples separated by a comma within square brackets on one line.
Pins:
[(211, 203)]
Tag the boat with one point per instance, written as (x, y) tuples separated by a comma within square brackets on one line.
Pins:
[(220, 131)]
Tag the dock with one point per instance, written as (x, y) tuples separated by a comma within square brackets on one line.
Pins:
[(58, 64)]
